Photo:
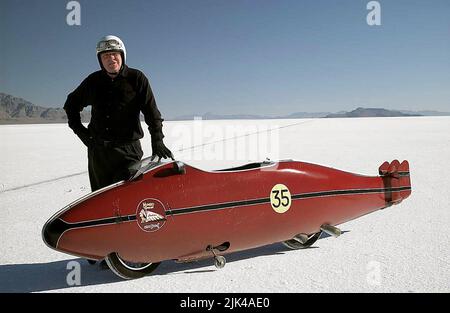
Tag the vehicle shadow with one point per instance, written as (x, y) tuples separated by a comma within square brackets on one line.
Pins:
[(51, 276), (172, 267), (58, 275)]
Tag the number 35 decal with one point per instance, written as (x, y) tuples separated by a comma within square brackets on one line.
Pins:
[(280, 198)]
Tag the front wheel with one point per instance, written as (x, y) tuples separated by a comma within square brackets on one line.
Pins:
[(129, 270), (297, 243)]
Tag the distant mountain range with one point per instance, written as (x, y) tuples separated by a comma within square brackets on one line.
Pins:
[(359, 112), (212, 116), (372, 112), (14, 110)]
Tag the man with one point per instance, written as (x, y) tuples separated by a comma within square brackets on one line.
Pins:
[(117, 95)]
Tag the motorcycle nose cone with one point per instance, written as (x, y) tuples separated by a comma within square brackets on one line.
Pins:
[(52, 231)]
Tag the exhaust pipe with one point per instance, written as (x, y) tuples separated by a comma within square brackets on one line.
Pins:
[(331, 230)]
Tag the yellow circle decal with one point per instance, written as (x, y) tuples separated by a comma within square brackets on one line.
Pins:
[(280, 198)]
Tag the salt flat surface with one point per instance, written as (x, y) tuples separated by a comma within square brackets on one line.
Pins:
[(404, 248)]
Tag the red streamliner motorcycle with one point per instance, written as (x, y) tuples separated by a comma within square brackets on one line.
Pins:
[(173, 211)]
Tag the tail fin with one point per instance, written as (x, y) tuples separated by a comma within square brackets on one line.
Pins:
[(396, 179)]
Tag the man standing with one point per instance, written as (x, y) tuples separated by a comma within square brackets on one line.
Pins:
[(117, 94)]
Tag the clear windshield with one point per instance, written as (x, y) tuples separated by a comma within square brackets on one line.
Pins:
[(143, 166)]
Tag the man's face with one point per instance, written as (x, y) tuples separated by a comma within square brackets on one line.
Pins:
[(112, 61)]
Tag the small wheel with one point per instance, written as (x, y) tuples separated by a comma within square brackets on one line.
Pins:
[(296, 244), (219, 261), (129, 270)]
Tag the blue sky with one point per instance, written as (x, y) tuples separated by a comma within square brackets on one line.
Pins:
[(268, 57)]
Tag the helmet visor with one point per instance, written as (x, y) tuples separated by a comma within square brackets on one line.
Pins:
[(109, 45)]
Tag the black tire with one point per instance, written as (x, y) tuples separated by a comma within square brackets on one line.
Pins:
[(129, 270), (295, 244)]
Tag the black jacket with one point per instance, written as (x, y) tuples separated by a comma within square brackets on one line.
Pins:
[(116, 106)]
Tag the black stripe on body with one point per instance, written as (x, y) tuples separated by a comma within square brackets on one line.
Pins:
[(59, 226)]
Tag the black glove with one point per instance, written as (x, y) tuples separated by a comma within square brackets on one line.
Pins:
[(85, 136), (160, 150)]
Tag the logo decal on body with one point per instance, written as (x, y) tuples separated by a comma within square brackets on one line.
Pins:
[(150, 215)]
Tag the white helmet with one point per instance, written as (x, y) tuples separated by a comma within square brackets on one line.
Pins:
[(111, 43)]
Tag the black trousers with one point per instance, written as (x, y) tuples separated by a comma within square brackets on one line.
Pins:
[(110, 164)]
